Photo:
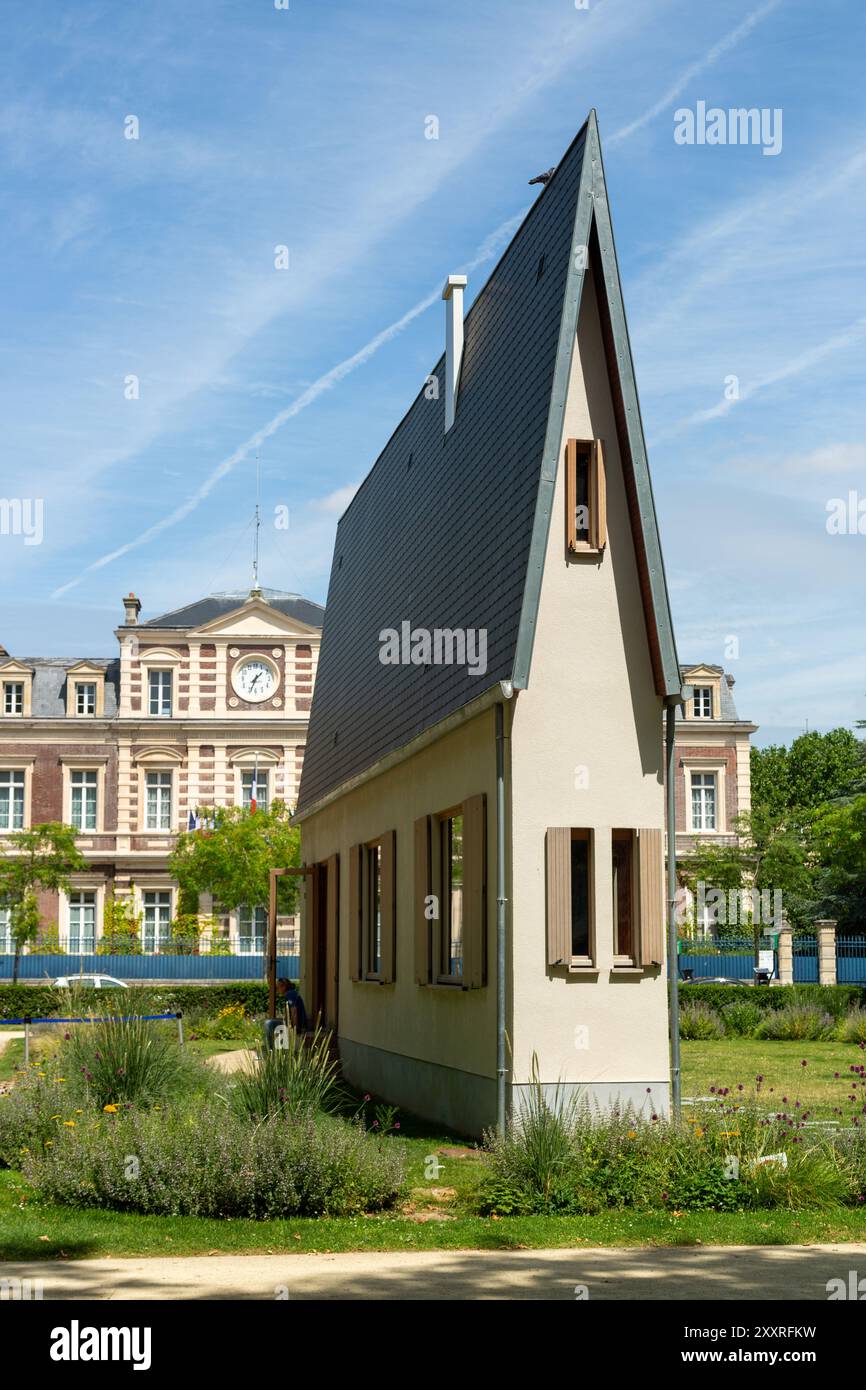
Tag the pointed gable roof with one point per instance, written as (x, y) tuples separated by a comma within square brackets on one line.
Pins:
[(449, 530)]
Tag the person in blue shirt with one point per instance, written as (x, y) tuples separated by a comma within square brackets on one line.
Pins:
[(289, 996)]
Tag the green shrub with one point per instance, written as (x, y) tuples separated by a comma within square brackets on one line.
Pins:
[(700, 1023), (130, 1060), (31, 1113), (208, 1162), (741, 1018), (297, 1079), (796, 1023), (44, 1001), (231, 1023), (835, 999), (852, 1026)]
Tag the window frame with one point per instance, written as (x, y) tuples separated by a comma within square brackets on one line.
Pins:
[(160, 772), (252, 911), (705, 692), (152, 892), (71, 904), (625, 835), (11, 773), (263, 779), (8, 687), (709, 783), (442, 937), (591, 539), (158, 673), (85, 786), (80, 688)]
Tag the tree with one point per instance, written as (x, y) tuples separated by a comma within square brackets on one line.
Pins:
[(41, 859), (121, 928), (817, 768), (233, 857), (839, 843)]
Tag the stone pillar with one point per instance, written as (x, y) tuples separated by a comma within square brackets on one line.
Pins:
[(786, 956), (826, 934)]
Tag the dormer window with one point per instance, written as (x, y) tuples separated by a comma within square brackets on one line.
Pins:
[(702, 704), (159, 693), (13, 697), (85, 698)]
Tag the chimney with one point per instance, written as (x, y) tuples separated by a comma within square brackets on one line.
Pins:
[(131, 610), (453, 296)]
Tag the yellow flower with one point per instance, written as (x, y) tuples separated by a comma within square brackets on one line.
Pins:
[(110, 1109), (79, 1112), (632, 1134), (699, 1134), (54, 1117), (729, 1133), (60, 1078), (70, 1124)]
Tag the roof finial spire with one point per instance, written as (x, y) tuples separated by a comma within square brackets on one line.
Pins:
[(255, 591)]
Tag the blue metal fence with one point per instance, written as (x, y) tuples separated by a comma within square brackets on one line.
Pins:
[(851, 960), (190, 968), (733, 957)]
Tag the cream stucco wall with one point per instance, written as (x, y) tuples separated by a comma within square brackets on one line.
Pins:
[(587, 752), (430, 1049)]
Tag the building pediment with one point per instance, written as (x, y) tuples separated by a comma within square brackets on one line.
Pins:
[(253, 619)]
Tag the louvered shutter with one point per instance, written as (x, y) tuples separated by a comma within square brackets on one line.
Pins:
[(356, 934), (652, 898), (474, 892), (389, 906), (421, 891), (558, 895), (598, 498)]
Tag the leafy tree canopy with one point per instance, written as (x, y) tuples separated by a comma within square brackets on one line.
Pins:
[(233, 855)]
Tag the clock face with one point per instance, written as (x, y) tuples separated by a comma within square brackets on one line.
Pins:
[(254, 679)]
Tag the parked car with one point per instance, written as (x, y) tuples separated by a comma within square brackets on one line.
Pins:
[(714, 980), (90, 982)]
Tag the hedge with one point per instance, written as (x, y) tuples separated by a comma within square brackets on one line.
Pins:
[(44, 1001), (834, 999)]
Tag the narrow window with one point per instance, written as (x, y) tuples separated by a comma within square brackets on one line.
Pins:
[(7, 944), (11, 800), (580, 871), (252, 929), (157, 813), (703, 801), (702, 704), (451, 898), (85, 698), (585, 495), (13, 697), (83, 800), (624, 934), (82, 923), (254, 788), (373, 908), (159, 687), (156, 923)]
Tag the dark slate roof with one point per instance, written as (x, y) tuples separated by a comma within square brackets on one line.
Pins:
[(449, 531), (726, 686), (49, 683), (205, 609)]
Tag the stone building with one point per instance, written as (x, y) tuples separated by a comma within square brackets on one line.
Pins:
[(200, 707)]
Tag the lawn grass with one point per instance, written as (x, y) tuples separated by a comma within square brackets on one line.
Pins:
[(11, 1057), (30, 1230), (734, 1061), (443, 1174)]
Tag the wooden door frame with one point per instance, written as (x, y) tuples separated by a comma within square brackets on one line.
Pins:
[(307, 870)]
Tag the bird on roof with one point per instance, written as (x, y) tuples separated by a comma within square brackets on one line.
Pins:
[(544, 178)]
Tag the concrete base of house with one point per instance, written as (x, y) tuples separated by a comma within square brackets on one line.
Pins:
[(461, 1100), (466, 1102), (643, 1097)]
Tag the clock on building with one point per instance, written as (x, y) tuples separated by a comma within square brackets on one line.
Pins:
[(254, 678)]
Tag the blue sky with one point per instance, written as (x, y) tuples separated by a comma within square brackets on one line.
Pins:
[(261, 127)]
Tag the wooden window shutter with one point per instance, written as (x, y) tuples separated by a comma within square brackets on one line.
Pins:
[(356, 932), (389, 906), (571, 494), (652, 898), (474, 892), (558, 896), (597, 498), (332, 918), (421, 891)]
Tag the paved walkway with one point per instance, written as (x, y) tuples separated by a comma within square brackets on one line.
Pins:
[(240, 1060), (779, 1272)]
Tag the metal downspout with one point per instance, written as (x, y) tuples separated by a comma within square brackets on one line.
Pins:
[(673, 967), (500, 921)]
